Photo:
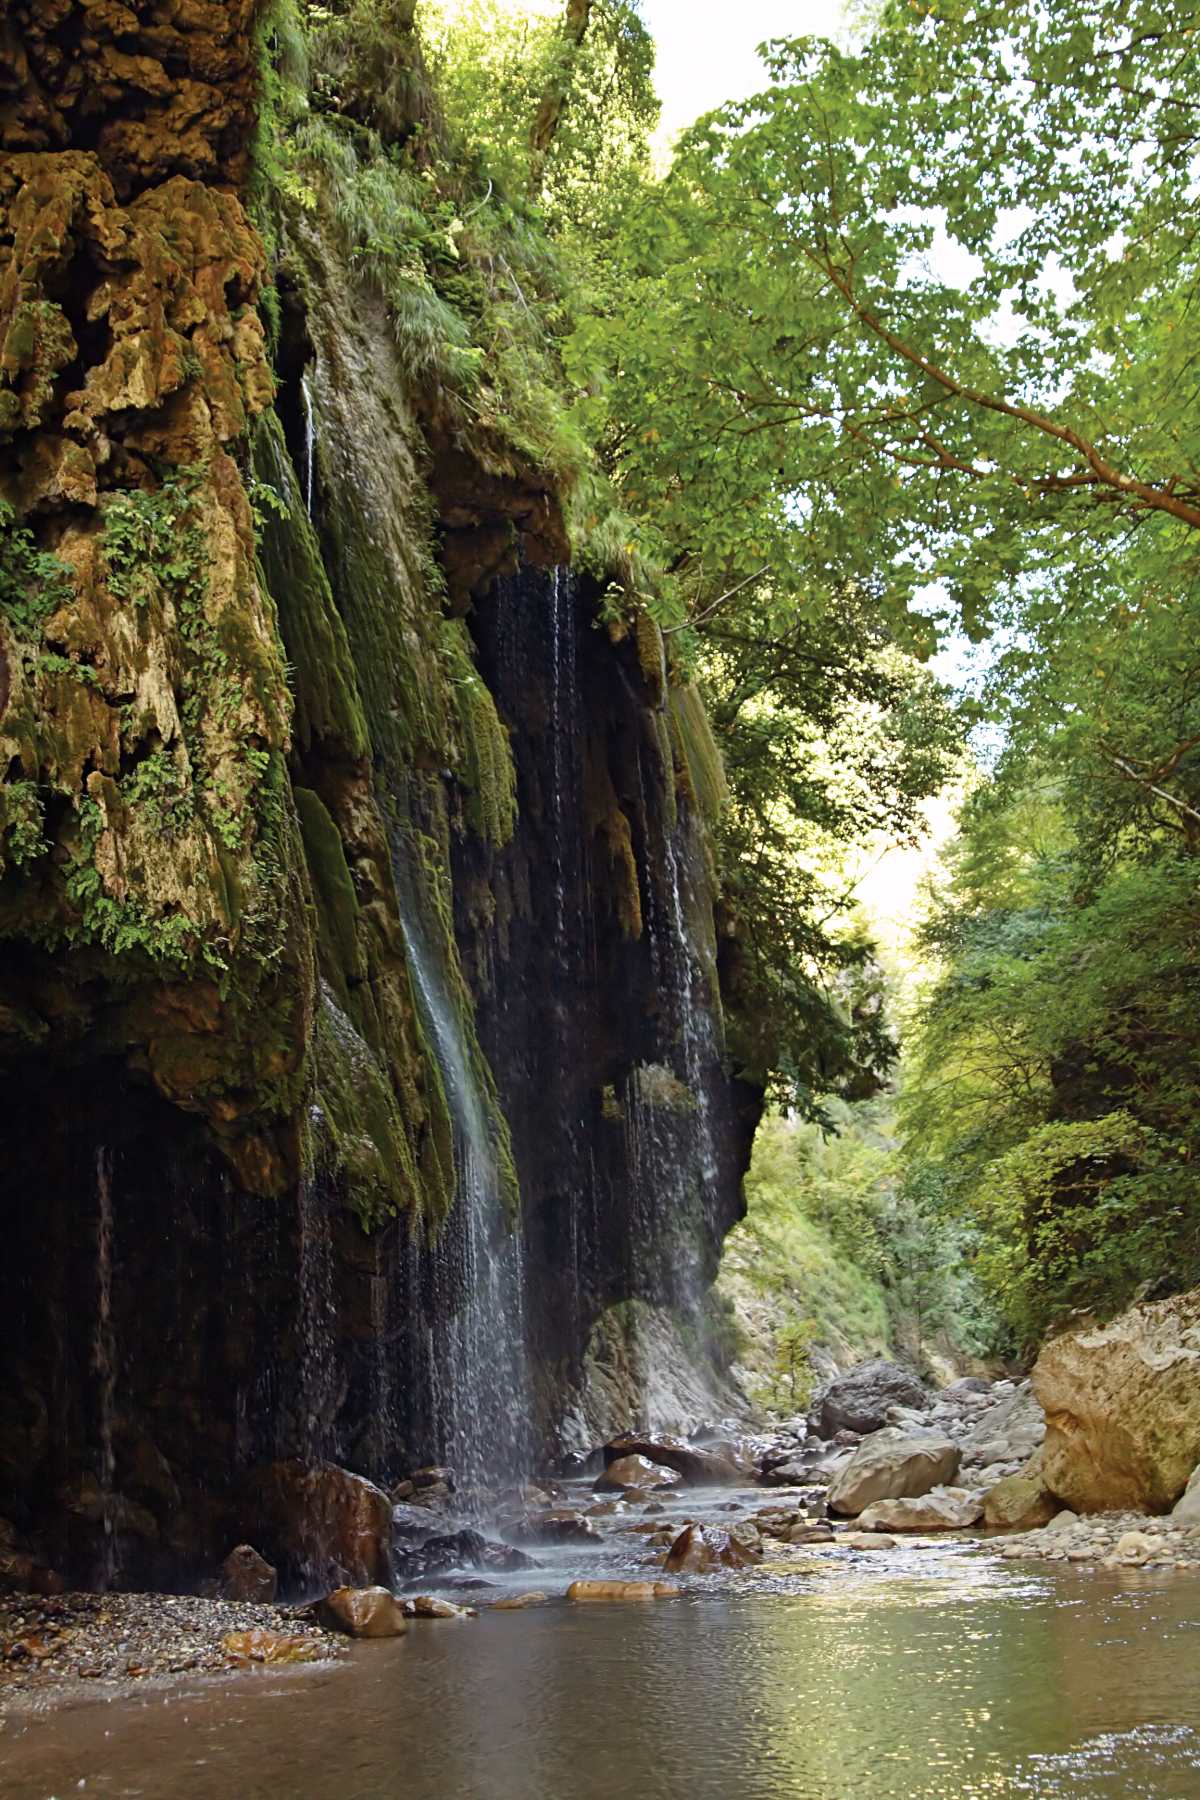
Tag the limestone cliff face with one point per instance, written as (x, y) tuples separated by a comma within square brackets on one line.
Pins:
[(359, 1010)]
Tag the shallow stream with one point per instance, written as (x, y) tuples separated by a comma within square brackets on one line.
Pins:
[(936, 1672)]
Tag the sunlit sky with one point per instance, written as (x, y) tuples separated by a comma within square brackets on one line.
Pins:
[(706, 50)]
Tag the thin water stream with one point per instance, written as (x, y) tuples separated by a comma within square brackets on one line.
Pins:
[(932, 1674)]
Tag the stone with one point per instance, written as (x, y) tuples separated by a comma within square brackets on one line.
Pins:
[(699, 1550), (562, 1526), (699, 1468), (428, 1606), (893, 1465), (456, 1549), (967, 1384), (1135, 1547), (787, 1474), (809, 1534), (865, 1540), (586, 1591), (634, 1472), (1021, 1502), (858, 1400), (1063, 1521), (259, 1646), (1186, 1509), (429, 1478), (1122, 1406), (1010, 1430), (372, 1612), (518, 1602), (951, 1509), (245, 1575), (320, 1522)]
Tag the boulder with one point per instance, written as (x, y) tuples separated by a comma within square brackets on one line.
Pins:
[(865, 1540), (893, 1465), (1021, 1502), (245, 1575), (1122, 1406), (1011, 1430), (372, 1612), (562, 1526), (428, 1606), (321, 1524), (699, 1468), (584, 1591), (456, 1550), (260, 1646), (947, 1509), (967, 1384), (634, 1472), (1187, 1509), (518, 1602), (859, 1400), (818, 1533), (700, 1549)]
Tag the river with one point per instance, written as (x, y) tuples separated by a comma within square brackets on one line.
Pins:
[(937, 1672)]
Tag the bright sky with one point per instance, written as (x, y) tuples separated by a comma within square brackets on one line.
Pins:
[(706, 50)]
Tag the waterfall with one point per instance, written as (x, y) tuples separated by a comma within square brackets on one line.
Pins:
[(310, 442), (104, 1358), (478, 1377)]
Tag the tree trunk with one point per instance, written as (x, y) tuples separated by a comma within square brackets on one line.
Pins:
[(553, 103)]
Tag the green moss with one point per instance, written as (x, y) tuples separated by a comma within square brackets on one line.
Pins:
[(699, 769), (328, 705), (337, 903), (486, 766), (371, 1145), (22, 818)]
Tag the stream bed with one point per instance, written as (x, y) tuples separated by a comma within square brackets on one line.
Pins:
[(932, 1672)]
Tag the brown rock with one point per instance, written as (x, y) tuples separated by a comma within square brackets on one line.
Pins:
[(586, 1591), (699, 1468), (636, 1472), (372, 1612), (269, 1647), (320, 1521), (518, 1602), (699, 1550), (1122, 1407), (428, 1606), (245, 1575), (951, 1509)]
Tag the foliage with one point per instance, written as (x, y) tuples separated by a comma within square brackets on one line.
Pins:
[(33, 583)]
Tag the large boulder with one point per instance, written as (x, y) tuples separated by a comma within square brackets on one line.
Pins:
[(699, 1468), (363, 1613), (247, 1576), (859, 1400), (1122, 1406), (946, 1509), (893, 1465), (320, 1524)]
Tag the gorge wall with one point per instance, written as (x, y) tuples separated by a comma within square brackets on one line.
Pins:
[(360, 1015)]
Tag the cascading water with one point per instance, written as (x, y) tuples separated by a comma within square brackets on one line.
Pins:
[(104, 1359), (310, 442), (478, 1375)]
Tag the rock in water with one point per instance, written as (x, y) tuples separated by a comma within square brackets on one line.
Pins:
[(950, 1509), (583, 1591), (893, 1465), (245, 1575), (859, 1400), (259, 1646), (700, 1549), (518, 1602), (428, 1606), (1122, 1407), (699, 1468), (372, 1612), (634, 1472)]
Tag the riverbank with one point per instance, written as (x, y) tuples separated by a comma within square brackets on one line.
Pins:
[(54, 1650)]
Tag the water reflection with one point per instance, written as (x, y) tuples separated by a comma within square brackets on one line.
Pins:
[(963, 1680)]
